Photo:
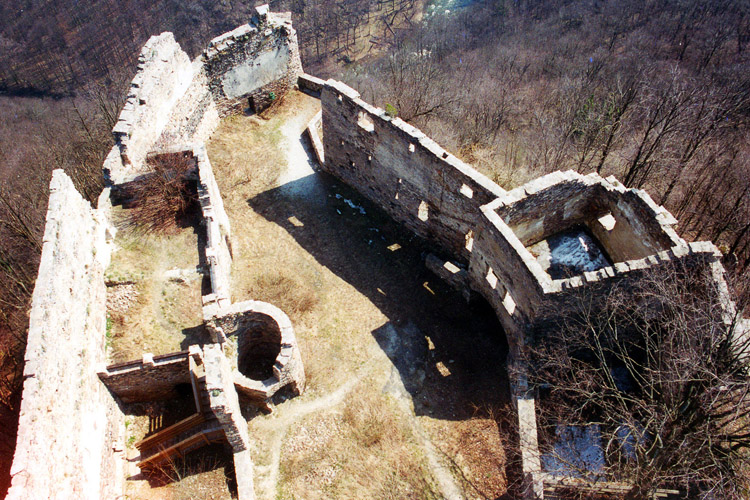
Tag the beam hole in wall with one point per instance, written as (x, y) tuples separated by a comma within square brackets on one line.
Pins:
[(469, 240), (607, 221), (491, 278), (411, 148), (509, 303), (365, 121), (467, 191), (424, 211)]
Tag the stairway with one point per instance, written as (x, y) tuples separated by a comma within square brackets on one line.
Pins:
[(198, 430)]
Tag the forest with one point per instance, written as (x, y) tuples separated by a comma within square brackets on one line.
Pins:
[(656, 93)]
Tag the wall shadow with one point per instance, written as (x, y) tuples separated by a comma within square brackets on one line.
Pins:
[(448, 357)]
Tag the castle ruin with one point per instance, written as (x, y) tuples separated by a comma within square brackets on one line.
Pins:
[(487, 241)]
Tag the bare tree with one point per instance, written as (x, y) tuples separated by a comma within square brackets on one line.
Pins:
[(657, 371)]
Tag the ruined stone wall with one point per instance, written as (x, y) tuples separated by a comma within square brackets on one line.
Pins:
[(507, 276), (152, 378), (164, 73), (254, 64), (175, 101), (69, 423), (195, 116), (218, 231), (260, 324), (411, 177), (560, 200), (693, 257)]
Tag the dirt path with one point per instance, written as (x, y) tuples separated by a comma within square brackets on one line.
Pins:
[(402, 378)]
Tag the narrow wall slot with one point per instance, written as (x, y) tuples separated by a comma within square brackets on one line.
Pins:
[(467, 191), (411, 148), (424, 211), (469, 240), (509, 303), (491, 278)]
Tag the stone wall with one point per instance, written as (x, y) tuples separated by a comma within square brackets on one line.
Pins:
[(152, 378), (195, 116), (558, 201), (164, 73), (258, 325), (218, 231), (69, 424), (253, 65), (388, 161), (175, 101), (445, 201)]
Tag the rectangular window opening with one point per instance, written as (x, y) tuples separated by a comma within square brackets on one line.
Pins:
[(509, 303), (608, 221), (411, 148)]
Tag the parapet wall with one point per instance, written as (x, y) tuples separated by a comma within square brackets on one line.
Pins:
[(152, 378), (411, 177), (218, 231), (65, 409)]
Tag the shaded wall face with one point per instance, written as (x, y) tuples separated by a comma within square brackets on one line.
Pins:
[(408, 175), (147, 381), (258, 341), (635, 232), (258, 345), (253, 65)]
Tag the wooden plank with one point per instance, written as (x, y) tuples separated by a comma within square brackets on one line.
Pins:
[(177, 449), (171, 431)]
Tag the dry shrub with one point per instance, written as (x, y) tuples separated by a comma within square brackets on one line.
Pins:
[(162, 200), (292, 296)]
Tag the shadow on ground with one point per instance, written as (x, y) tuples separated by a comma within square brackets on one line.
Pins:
[(448, 357)]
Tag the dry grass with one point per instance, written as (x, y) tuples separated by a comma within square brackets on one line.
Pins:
[(366, 451), (292, 295), (329, 268), (166, 309)]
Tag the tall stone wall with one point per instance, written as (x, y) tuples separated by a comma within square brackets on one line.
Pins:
[(254, 64), (69, 422), (164, 74), (175, 101), (218, 231), (560, 200), (411, 177), (152, 378)]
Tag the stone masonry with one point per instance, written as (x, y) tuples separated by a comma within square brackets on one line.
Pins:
[(69, 429), (68, 432), (487, 230)]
